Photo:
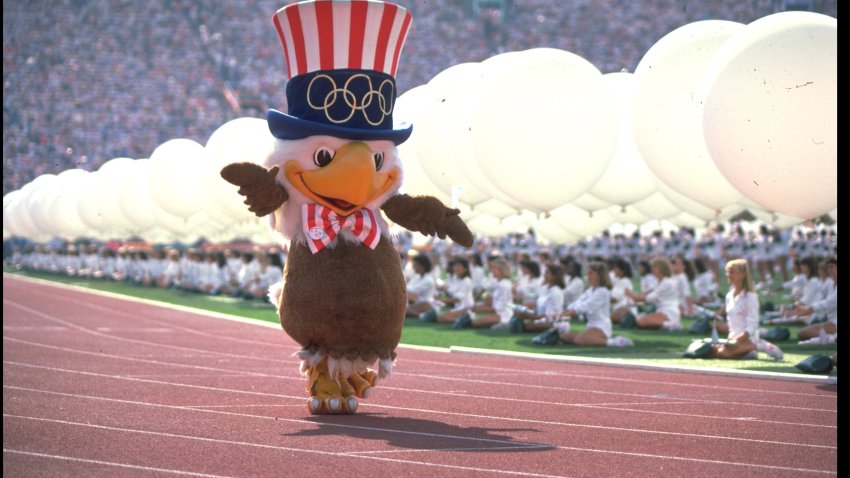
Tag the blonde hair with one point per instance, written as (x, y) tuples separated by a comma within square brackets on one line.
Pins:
[(742, 266), (601, 270), (503, 266), (664, 264)]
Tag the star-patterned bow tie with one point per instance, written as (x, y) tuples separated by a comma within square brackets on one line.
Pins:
[(322, 225)]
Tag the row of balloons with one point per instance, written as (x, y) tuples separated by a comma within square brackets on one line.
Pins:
[(718, 117)]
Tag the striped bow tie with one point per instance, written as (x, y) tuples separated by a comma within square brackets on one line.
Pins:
[(322, 225)]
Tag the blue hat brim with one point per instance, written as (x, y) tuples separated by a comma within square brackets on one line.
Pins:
[(284, 126)]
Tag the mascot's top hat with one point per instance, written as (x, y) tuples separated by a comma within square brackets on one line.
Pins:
[(341, 58)]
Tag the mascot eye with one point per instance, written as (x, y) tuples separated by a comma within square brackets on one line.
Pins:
[(322, 157), (379, 161)]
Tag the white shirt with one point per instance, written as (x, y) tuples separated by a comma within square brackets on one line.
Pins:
[(742, 314), (618, 292), (828, 307), (796, 285), (683, 287), (461, 289), (665, 297), (705, 285), (272, 275), (595, 304), (811, 291), (648, 282), (423, 286), (574, 289), (550, 303), (503, 300)]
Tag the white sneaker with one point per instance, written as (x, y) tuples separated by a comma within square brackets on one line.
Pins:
[(773, 351), (620, 341)]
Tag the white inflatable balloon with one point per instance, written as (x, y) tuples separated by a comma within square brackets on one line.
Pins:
[(65, 218), (440, 147), (99, 206), (627, 215), (628, 179), (545, 132), (580, 222), (10, 203), (657, 206), (135, 198), (590, 202), (238, 140), (415, 180), (497, 209), (777, 220), (549, 229), (176, 172), (771, 110), (666, 117), (39, 201)]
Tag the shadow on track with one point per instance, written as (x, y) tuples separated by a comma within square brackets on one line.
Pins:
[(414, 433)]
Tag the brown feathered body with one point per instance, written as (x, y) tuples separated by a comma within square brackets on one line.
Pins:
[(347, 302)]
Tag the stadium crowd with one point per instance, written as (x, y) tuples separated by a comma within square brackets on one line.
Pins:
[(85, 81)]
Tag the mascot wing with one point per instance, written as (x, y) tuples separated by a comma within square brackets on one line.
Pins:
[(263, 194), (429, 216)]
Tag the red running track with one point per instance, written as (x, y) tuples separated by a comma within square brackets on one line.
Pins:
[(95, 385)]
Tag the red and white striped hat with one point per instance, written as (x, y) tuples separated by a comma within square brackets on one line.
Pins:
[(341, 58)]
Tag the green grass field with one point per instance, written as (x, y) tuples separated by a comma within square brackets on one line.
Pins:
[(650, 346)]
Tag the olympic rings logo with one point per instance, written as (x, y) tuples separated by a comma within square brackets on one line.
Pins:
[(382, 97)]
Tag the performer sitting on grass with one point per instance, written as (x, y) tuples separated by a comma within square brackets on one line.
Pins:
[(595, 305), (665, 298), (742, 317)]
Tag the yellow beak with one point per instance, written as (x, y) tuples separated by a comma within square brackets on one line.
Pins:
[(347, 183)]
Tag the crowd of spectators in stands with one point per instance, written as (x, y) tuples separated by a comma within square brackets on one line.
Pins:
[(86, 81)]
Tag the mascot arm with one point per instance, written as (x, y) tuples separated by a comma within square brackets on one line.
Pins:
[(426, 214), (263, 194)]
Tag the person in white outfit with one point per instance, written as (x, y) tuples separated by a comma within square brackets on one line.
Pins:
[(620, 281), (705, 286), (550, 303), (827, 307), (665, 298), (683, 273), (269, 272), (421, 288), (595, 304), (498, 310), (458, 294), (742, 316), (573, 283)]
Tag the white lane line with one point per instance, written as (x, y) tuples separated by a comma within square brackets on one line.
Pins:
[(594, 377), (372, 457), (442, 378), (409, 390), (431, 450), (109, 463), (407, 432), (439, 412), (135, 341), (137, 317)]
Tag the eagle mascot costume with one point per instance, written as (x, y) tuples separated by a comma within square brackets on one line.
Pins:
[(333, 171)]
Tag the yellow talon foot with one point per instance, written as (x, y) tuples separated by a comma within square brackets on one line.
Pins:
[(329, 396)]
